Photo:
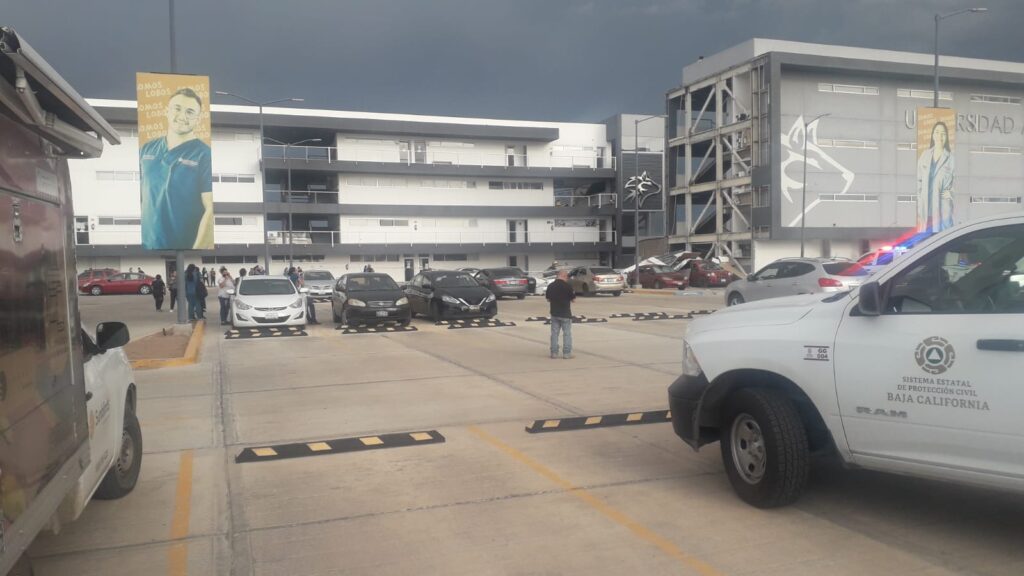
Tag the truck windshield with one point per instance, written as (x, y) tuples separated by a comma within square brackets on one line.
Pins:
[(266, 287)]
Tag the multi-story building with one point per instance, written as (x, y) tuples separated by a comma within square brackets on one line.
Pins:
[(402, 192), (736, 133)]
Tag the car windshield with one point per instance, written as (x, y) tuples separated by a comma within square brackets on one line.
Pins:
[(661, 269), (365, 283), (266, 287), (317, 275), (505, 272), (602, 271), (454, 280), (711, 266), (845, 269)]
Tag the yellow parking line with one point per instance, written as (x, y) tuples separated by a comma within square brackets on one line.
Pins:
[(635, 417), (371, 441), (177, 556), (593, 420), (264, 451), (551, 423), (421, 436), (613, 514), (318, 446)]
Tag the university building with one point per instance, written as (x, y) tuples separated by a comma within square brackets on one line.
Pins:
[(400, 192), (736, 134)]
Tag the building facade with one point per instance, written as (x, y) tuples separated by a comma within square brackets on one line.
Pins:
[(736, 136), (346, 189)]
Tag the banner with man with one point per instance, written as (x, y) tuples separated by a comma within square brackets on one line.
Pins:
[(936, 169), (174, 161)]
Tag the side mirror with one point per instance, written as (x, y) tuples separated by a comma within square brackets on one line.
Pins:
[(303, 290), (110, 335), (230, 291), (869, 302)]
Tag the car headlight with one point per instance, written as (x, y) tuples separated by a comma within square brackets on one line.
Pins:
[(242, 305), (356, 302), (490, 298), (690, 365), (296, 304), (403, 301), (449, 299)]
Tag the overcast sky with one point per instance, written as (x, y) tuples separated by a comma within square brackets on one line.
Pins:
[(569, 60)]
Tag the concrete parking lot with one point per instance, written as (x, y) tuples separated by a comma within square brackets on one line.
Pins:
[(491, 498)]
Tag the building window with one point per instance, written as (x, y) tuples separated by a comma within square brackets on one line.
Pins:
[(117, 175), (848, 197), (906, 145), (498, 185), (995, 200), (386, 222), (992, 99), (924, 94), (564, 256), (451, 257), (906, 199), (374, 258), (848, 89), (846, 143), (234, 178), (115, 221), (229, 259), (1002, 150), (579, 223), (762, 196), (227, 220)]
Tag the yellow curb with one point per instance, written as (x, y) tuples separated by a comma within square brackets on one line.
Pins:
[(191, 353)]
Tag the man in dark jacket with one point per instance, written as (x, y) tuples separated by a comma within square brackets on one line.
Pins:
[(561, 296), (159, 289)]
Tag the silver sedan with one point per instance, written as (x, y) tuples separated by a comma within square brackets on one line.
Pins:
[(792, 276)]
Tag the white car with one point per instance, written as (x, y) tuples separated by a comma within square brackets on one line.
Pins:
[(917, 372), (267, 301)]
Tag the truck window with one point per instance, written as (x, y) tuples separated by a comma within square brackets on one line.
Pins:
[(980, 273)]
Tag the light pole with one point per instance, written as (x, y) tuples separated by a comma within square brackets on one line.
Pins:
[(263, 171), (803, 193), (288, 163), (938, 18), (636, 197)]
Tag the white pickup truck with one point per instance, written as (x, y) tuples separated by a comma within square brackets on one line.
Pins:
[(918, 372)]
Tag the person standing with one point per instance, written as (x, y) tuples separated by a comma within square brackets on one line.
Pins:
[(192, 284), (172, 288), (561, 296), (226, 283), (159, 289), (201, 293), (203, 275), (293, 275), (241, 273)]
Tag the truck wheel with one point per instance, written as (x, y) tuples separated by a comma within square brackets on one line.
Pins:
[(520, 296), (735, 299), (95, 290), (122, 476), (764, 448), (145, 289)]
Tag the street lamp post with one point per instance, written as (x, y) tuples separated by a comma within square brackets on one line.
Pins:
[(636, 197), (938, 18), (263, 171), (803, 193), (288, 163)]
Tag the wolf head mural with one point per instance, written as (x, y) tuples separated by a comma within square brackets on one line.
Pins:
[(793, 155), (640, 188)]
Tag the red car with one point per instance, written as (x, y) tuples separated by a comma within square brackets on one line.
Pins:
[(121, 283), (707, 274), (91, 274), (653, 276)]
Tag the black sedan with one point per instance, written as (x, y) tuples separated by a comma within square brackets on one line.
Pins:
[(369, 299), (442, 294)]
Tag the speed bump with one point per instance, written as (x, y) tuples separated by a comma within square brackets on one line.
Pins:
[(322, 447), (346, 329), (575, 320), (262, 333), (474, 323), (603, 421)]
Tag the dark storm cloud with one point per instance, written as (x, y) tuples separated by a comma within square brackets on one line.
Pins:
[(534, 59)]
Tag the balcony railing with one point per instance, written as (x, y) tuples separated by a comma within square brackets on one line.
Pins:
[(593, 201), (302, 196), (437, 157), (439, 237)]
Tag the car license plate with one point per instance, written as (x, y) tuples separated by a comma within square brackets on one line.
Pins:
[(474, 308), (382, 313), (271, 315)]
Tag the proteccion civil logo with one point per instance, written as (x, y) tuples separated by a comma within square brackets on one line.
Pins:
[(935, 355)]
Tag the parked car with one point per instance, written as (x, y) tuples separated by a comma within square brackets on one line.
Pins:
[(267, 301), (531, 282), (504, 281), (319, 282), (450, 294), (791, 276), (916, 373), (91, 274), (706, 274), (658, 277), (121, 283), (590, 280), (369, 299)]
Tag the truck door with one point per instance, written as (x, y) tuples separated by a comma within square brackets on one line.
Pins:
[(935, 380)]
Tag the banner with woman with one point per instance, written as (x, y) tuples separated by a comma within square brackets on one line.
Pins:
[(936, 168)]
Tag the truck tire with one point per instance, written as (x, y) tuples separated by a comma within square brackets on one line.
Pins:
[(764, 447), (122, 476)]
